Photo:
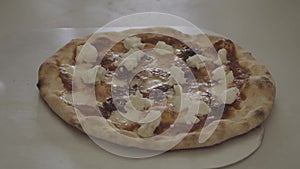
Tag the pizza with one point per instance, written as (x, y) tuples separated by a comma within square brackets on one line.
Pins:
[(157, 88)]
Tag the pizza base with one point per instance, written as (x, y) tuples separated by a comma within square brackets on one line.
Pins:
[(260, 92)]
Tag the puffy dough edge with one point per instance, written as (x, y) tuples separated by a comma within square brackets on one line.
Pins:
[(261, 82)]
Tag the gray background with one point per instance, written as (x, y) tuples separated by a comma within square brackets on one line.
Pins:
[(269, 29)]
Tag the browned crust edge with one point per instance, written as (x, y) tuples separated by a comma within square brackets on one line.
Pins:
[(260, 97)]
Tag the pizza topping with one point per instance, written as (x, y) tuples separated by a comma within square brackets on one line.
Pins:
[(108, 105), (66, 75), (154, 83), (86, 53), (151, 116), (147, 129), (218, 73), (188, 105), (128, 53), (133, 42), (196, 61), (162, 48), (222, 55), (229, 77), (189, 108), (178, 75), (231, 95), (67, 69), (138, 102), (176, 99), (185, 52), (122, 122), (203, 108), (97, 73), (132, 60)]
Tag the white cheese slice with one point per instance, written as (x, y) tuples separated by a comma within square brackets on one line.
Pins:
[(162, 48), (218, 62), (229, 77), (171, 81), (97, 73), (133, 42), (117, 116), (191, 107), (190, 119), (203, 108), (147, 129), (218, 73), (231, 95), (222, 55), (87, 53), (176, 99), (178, 74), (139, 102), (151, 116), (186, 105), (130, 52), (120, 58), (196, 61), (135, 105), (132, 60)]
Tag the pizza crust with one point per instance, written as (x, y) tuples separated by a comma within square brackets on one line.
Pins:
[(259, 89)]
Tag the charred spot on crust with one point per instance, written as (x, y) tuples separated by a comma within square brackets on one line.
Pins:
[(185, 53), (106, 114), (109, 105), (40, 84), (263, 82), (259, 113)]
